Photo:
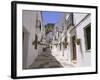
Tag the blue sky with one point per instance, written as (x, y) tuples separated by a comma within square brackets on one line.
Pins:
[(50, 17)]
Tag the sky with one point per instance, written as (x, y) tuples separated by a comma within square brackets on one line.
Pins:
[(50, 17)]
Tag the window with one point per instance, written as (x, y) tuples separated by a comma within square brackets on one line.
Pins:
[(23, 36), (87, 32)]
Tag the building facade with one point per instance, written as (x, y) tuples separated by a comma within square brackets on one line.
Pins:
[(74, 39), (33, 34)]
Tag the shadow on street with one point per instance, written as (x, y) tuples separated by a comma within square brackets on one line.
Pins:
[(45, 60)]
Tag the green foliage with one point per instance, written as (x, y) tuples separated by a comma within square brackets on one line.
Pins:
[(49, 27)]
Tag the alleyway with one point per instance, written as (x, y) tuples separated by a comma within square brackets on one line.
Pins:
[(45, 60), (67, 39)]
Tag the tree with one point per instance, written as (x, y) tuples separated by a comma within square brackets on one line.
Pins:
[(49, 27)]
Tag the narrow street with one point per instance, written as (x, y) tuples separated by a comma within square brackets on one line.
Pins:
[(56, 42), (45, 60)]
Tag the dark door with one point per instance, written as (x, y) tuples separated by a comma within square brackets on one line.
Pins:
[(73, 48)]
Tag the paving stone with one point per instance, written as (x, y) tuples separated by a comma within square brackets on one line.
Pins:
[(45, 60)]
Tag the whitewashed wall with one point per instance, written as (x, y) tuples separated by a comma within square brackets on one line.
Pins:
[(78, 17), (29, 23), (84, 57)]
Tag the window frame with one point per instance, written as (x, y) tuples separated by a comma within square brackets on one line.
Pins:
[(85, 37)]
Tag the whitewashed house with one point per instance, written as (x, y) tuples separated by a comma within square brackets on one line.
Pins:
[(82, 33), (74, 41), (33, 31)]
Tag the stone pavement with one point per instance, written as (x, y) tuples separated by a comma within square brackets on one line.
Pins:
[(45, 60)]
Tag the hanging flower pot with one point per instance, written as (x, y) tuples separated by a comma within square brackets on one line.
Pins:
[(65, 44), (78, 41)]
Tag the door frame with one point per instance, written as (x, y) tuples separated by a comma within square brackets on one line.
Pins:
[(74, 53)]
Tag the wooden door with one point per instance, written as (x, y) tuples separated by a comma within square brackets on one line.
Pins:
[(73, 48)]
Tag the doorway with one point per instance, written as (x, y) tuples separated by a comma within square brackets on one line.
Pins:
[(73, 48), (25, 41)]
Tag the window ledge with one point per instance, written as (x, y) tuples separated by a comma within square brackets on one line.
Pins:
[(88, 51)]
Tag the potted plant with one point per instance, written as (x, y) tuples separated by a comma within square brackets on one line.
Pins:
[(78, 41)]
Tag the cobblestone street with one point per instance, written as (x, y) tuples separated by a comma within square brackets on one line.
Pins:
[(64, 42), (45, 60)]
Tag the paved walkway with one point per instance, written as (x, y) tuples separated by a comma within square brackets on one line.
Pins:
[(45, 60)]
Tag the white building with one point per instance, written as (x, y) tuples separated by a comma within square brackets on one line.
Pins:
[(82, 33), (74, 41), (33, 33)]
